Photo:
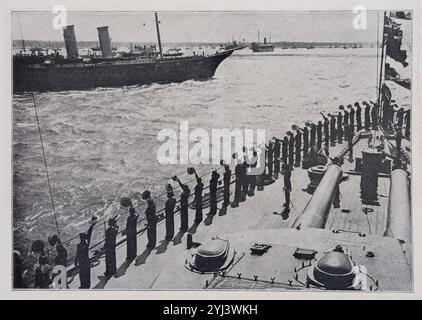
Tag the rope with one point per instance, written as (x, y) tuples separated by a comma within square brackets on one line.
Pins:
[(46, 168), (20, 28), (378, 44)]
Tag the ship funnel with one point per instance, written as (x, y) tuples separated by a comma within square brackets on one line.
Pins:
[(265, 40), (105, 42), (70, 42)]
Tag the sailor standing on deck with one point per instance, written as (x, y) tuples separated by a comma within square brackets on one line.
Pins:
[(251, 176), (374, 116), (227, 177), (358, 116), (184, 205), (345, 116), (352, 118), (213, 192), (340, 127), (284, 148), (110, 247), (305, 140), (319, 134), (367, 115), (131, 232), (61, 257), (169, 211), (244, 180), (238, 182), (298, 146), (287, 184), (326, 130), (270, 157), (277, 151), (313, 134), (198, 199), (82, 257), (349, 137), (42, 273), (150, 214), (291, 147), (407, 127), (400, 118), (333, 131), (388, 114)]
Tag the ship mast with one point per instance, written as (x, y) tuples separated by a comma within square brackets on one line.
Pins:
[(158, 35), (382, 67), (258, 36)]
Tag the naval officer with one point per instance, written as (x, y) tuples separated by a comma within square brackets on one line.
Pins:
[(131, 232), (184, 205), (198, 199), (169, 212), (110, 247), (150, 214), (82, 258)]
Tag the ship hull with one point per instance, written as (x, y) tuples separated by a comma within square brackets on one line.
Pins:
[(256, 47), (266, 49), (81, 77)]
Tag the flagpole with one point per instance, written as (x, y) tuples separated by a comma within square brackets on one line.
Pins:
[(382, 67)]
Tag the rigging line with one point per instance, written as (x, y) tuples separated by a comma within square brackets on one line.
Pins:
[(378, 44), (20, 28), (382, 64), (46, 168)]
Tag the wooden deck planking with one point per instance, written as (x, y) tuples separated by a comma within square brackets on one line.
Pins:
[(357, 220)]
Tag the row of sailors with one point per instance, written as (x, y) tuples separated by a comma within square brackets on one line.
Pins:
[(333, 128), (281, 155), (43, 277), (245, 185), (279, 159)]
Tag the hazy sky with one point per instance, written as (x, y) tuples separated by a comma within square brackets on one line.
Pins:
[(200, 26)]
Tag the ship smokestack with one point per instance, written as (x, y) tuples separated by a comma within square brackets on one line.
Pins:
[(70, 42), (105, 42), (265, 40)]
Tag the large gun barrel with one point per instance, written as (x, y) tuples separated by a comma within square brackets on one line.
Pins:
[(399, 212), (316, 212)]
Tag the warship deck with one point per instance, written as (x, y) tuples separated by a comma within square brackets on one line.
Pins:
[(357, 227)]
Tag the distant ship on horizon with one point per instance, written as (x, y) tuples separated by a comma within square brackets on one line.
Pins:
[(262, 47)]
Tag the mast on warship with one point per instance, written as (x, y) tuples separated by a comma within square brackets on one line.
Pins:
[(158, 35), (382, 67), (391, 70)]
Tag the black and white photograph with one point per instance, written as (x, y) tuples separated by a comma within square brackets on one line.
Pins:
[(212, 150)]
